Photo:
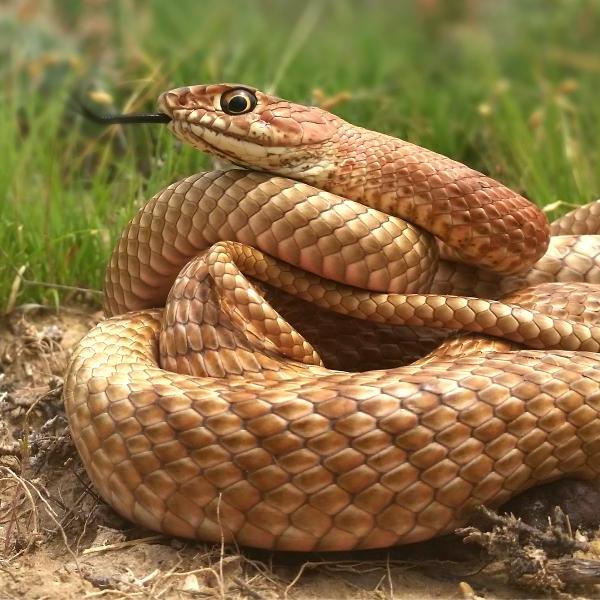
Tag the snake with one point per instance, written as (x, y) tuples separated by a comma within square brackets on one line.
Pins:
[(340, 340)]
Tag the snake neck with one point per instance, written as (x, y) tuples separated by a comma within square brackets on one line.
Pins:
[(477, 219)]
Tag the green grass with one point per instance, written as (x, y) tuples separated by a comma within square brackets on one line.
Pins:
[(510, 87)]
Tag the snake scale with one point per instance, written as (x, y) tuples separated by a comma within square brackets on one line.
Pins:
[(349, 342)]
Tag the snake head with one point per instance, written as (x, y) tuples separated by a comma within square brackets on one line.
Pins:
[(249, 127)]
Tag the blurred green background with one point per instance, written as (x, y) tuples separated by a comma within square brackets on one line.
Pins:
[(510, 87)]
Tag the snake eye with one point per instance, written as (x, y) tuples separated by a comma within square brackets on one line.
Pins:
[(238, 102)]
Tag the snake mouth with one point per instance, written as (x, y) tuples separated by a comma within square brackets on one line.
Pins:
[(125, 118)]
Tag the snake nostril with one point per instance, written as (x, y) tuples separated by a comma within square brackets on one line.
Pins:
[(179, 98)]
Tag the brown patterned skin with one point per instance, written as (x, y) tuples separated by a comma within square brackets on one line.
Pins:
[(246, 408)]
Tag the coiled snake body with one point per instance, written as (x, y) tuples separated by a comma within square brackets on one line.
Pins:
[(284, 396)]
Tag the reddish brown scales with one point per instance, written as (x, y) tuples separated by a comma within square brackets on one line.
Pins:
[(265, 446)]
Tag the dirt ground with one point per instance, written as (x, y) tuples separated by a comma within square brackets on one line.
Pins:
[(58, 539)]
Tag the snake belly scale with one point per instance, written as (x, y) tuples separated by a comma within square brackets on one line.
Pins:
[(348, 342)]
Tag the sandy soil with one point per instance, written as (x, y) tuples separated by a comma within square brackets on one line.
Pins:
[(58, 539)]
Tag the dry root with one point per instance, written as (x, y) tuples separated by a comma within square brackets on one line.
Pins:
[(537, 559)]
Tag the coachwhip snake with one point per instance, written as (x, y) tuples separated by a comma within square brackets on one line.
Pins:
[(215, 415)]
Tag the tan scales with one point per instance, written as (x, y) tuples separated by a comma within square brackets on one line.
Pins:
[(284, 397)]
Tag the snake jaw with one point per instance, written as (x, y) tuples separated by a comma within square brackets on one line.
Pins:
[(290, 162)]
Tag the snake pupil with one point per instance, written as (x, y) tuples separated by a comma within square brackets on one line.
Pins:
[(238, 102)]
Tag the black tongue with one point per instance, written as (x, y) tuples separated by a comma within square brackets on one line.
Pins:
[(125, 118)]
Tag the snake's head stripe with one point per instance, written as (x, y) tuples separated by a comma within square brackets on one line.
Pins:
[(247, 126)]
